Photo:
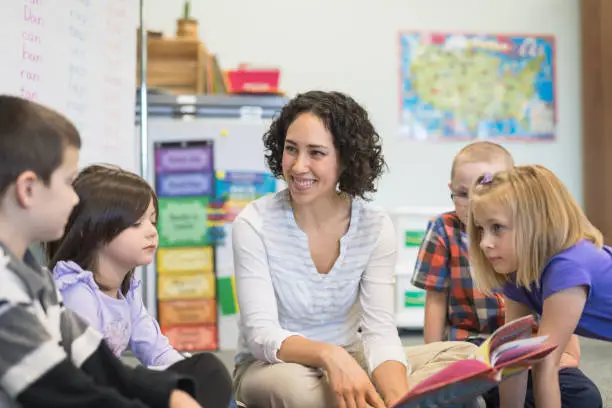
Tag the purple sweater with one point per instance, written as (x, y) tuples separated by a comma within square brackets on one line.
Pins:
[(123, 322)]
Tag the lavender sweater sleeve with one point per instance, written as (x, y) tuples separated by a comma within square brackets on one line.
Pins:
[(83, 300), (124, 322), (147, 342)]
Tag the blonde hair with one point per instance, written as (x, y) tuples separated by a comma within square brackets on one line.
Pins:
[(481, 152), (545, 219)]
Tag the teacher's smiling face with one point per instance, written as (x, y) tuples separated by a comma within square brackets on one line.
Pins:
[(310, 160)]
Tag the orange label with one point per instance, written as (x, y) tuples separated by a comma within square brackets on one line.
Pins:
[(182, 312)]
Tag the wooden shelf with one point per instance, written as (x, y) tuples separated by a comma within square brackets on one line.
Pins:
[(175, 64)]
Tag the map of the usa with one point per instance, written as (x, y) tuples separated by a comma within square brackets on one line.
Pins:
[(457, 87)]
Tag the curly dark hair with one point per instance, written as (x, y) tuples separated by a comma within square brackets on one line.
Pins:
[(355, 139)]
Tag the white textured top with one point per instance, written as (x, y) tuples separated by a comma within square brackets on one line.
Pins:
[(280, 292)]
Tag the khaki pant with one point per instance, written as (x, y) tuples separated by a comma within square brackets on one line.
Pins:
[(290, 385)]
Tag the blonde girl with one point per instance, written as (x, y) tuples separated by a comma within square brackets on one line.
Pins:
[(528, 235)]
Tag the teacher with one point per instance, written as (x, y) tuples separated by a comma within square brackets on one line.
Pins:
[(315, 267)]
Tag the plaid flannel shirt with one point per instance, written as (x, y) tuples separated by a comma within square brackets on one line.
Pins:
[(443, 266)]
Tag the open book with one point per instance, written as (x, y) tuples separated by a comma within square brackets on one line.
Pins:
[(509, 350)]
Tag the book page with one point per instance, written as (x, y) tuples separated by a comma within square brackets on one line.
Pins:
[(517, 329), (483, 353), (516, 348)]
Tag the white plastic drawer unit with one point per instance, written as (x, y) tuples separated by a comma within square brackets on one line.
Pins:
[(410, 224)]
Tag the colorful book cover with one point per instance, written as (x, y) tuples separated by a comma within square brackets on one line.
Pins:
[(509, 350)]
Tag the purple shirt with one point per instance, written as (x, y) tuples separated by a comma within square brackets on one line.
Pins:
[(123, 322), (580, 265)]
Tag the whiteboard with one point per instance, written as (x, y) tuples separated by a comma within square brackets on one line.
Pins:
[(78, 57)]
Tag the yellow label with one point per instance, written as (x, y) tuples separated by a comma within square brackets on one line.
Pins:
[(186, 286), (179, 260)]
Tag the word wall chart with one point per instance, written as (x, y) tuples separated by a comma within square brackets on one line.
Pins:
[(198, 201), (77, 57), (186, 282)]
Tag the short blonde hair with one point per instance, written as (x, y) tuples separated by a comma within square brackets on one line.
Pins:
[(481, 152), (545, 219)]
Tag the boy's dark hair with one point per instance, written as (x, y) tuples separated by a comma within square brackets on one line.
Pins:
[(111, 200), (357, 142), (32, 138)]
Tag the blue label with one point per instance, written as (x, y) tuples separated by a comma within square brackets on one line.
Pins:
[(237, 185), (185, 184)]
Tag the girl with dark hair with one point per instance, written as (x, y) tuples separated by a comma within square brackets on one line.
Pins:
[(109, 233)]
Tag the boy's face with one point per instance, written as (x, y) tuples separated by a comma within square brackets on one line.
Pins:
[(465, 175), (49, 205)]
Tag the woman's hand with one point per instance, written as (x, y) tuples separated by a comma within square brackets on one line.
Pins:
[(350, 384), (180, 399)]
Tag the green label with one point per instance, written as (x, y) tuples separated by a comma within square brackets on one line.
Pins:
[(182, 221), (414, 238), (414, 299), (225, 296)]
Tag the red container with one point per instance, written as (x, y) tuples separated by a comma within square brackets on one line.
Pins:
[(192, 338), (253, 80)]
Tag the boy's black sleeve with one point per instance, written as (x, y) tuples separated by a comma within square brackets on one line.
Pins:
[(150, 386), (37, 371)]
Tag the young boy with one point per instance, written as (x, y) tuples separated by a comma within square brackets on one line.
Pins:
[(454, 309), (49, 356)]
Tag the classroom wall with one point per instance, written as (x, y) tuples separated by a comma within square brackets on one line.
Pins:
[(352, 46)]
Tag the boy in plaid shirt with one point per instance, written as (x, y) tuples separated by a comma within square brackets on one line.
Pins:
[(454, 309)]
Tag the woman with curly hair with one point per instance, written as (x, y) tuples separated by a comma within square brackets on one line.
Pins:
[(314, 269)]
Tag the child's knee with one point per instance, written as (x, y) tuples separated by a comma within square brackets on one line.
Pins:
[(587, 395), (577, 390), (212, 361), (210, 364), (591, 397)]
